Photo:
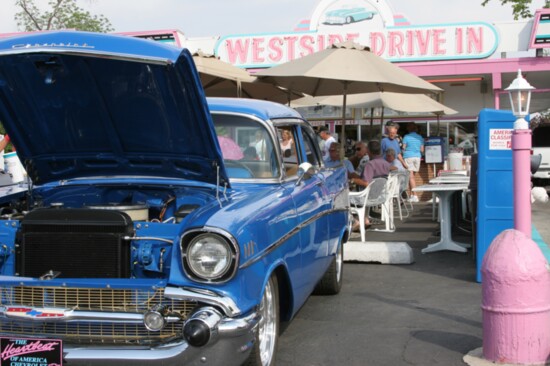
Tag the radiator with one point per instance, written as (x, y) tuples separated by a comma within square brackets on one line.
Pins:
[(77, 243)]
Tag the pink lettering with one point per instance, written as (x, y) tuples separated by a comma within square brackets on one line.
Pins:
[(257, 50), (334, 38), (410, 43), (352, 36), (237, 50), (320, 42), (423, 41), (377, 43), (290, 47), (459, 42), (396, 44), (306, 44), (438, 42), (275, 45), (475, 40), (37, 346)]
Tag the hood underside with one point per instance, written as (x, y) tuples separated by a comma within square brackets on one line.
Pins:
[(79, 104)]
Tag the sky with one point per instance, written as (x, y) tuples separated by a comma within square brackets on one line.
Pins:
[(202, 18)]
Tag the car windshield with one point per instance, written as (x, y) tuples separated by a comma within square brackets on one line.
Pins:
[(247, 148)]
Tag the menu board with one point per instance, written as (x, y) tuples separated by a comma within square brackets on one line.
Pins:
[(433, 150)]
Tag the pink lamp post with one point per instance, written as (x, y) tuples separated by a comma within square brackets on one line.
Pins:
[(516, 281), (520, 98)]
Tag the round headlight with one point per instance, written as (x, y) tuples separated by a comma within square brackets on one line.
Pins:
[(209, 256)]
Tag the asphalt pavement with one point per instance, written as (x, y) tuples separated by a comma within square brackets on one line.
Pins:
[(425, 313)]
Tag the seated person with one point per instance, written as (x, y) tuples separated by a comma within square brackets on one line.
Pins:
[(376, 167), (396, 165), (250, 153)]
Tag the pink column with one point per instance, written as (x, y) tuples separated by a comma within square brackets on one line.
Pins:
[(521, 158), (516, 301)]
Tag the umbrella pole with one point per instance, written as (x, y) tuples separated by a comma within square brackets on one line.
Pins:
[(371, 123), (343, 145), (382, 123)]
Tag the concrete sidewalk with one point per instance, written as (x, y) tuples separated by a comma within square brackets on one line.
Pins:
[(419, 230)]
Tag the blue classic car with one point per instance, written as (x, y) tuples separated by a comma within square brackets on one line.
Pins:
[(347, 15), (156, 227)]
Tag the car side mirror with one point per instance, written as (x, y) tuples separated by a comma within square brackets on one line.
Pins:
[(305, 171)]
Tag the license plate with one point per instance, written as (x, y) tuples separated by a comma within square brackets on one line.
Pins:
[(30, 352)]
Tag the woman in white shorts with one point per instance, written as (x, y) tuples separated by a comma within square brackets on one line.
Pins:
[(413, 148)]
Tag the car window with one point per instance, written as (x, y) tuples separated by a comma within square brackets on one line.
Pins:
[(247, 147), (311, 147), (287, 141)]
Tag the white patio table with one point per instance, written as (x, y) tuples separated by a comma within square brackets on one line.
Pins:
[(450, 179), (444, 191)]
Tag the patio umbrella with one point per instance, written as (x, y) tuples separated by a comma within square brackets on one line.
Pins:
[(253, 90), (222, 79), (344, 68), (411, 103), (213, 71)]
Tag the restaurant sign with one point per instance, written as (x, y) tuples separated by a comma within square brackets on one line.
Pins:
[(367, 22)]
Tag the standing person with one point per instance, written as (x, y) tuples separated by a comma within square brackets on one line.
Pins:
[(260, 144), (392, 141), (413, 145), (4, 141), (328, 139)]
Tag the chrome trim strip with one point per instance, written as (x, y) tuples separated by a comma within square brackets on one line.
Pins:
[(285, 237), (228, 306), (69, 315)]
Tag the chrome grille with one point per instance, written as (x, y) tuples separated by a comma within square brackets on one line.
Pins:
[(92, 299)]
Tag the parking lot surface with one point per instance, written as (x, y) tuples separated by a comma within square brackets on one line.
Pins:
[(425, 313)]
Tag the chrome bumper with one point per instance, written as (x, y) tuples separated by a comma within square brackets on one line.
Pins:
[(226, 333), (235, 337)]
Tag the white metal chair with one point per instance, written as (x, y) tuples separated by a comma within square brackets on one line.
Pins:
[(359, 207), (401, 195), (385, 200)]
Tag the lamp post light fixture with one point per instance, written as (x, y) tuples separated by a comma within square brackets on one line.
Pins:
[(520, 98), (519, 92)]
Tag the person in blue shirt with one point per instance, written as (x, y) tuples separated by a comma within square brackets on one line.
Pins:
[(392, 159), (413, 148), (392, 141)]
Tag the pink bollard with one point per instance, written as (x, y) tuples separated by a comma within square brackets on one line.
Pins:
[(516, 301)]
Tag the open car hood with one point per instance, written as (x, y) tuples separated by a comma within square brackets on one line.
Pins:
[(78, 104)]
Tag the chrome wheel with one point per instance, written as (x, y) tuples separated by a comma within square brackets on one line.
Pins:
[(339, 263), (269, 324)]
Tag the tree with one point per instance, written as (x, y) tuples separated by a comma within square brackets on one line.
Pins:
[(520, 8), (62, 14)]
